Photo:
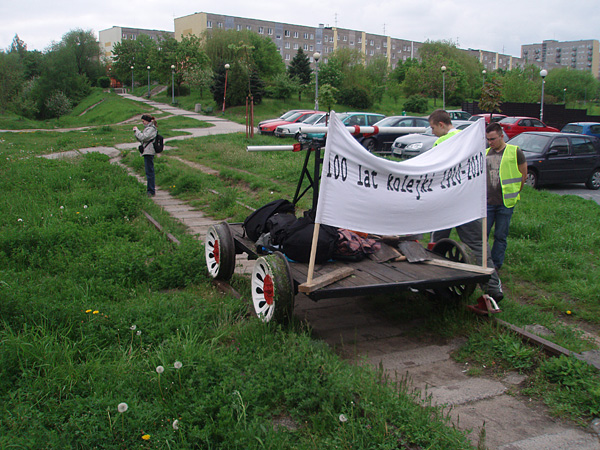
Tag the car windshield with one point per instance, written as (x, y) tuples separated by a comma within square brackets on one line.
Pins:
[(312, 119), (294, 116), (572, 129), (531, 143), (509, 120), (388, 122), (287, 114), (429, 132)]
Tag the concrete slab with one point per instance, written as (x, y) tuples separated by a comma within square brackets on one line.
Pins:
[(465, 391)]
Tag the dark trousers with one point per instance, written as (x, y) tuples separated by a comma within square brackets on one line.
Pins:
[(149, 166)]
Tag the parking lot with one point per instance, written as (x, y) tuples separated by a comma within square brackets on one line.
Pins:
[(575, 189)]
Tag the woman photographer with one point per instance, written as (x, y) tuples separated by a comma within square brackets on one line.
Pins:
[(146, 139)]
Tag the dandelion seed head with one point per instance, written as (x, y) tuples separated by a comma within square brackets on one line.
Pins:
[(62, 207), (160, 369), (133, 327), (178, 364), (343, 418), (19, 220), (122, 407), (176, 424), (84, 206), (138, 332)]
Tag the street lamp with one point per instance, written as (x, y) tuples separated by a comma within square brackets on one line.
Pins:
[(317, 56), (227, 66), (443, 87), (565, 96), (172, 84), (148, 81), (483, 72), (132, 79), (543, 74)]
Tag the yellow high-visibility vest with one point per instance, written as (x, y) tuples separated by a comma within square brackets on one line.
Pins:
[(510, 176)]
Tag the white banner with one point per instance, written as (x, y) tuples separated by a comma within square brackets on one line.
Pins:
[(438, 189)]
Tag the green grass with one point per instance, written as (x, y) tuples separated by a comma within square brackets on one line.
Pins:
[(95, 301)]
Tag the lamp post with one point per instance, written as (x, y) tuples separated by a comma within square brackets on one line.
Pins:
[(172, 84), (227, 66), (443, 87), (132, 79), (148, 81), (565, 96), (483, 72), (316, 56), (543, 74)]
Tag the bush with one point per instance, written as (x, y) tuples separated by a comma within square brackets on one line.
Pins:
[(356, 97), (104, 82), (180, 91), (416, 103)]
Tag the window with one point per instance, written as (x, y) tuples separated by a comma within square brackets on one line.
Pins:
[(371, 42), (286, 33), (287, 45), (209, 24), (278, 36), (330, 49), (219, 24), (582, 146), (310, 48), (385, 44), (351, 42), (312, 36), (270, 31), (248, 27), (305, 47), (345, 38), (561, 145), (238, 28), (325, 38), (305, 35), (261, 30), (296, 34), (295, 46), (359, 40), (318, 41)]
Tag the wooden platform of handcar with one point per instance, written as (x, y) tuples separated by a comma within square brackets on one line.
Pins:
[(372, 277)]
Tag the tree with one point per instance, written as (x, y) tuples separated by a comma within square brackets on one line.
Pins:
[(579, 84), (282, 87), (198, 77), (299, 69), (522, 85), (491, 95)]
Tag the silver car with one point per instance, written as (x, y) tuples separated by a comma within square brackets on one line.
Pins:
[(414, 144), (292, 129)]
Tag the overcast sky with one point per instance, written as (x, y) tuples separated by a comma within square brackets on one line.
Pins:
[(499, 26)]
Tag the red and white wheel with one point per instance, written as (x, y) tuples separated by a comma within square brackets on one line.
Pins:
[(272, 288), (219, 250)]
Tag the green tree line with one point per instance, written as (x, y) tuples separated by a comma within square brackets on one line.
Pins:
[(48, 84)]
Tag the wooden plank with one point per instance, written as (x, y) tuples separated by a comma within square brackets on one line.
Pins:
[(326, 280), (460, 266)]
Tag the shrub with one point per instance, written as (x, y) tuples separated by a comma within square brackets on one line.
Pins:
[(416, 103), (104, 82), (356, 97)]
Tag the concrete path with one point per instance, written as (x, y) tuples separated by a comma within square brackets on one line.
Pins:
[(358, 331)]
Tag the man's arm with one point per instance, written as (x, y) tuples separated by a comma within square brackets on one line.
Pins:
[(522, 166)]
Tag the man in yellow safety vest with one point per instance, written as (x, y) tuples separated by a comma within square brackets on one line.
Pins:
[(506, 174)]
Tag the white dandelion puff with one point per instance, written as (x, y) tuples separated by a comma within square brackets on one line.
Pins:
[(122, 407), (178, 365), (160, 369), (176, 424), (343, 418)]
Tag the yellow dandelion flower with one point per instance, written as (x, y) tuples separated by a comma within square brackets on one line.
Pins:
[(96, 312), (146, 437), (569, 312), (87, 311)]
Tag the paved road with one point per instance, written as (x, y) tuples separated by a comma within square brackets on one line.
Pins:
[(575, 189)]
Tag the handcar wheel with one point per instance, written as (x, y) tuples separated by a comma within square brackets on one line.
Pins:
[(593, 182), (532, 179), (219, 249), (453, 251), (272, 288)]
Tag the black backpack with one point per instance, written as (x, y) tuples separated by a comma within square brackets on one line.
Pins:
[(159, 143), (256, 223), (298, 238)]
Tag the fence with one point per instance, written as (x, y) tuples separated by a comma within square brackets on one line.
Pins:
[(554, 115)]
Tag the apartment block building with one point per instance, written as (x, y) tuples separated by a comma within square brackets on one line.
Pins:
[(289, 37), (493, 60), (110, 37), (578, 55)]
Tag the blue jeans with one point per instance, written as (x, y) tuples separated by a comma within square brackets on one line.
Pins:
[(149, 166), (499, 215)]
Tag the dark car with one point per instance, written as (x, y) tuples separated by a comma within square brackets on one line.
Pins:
[(589, 128), (554, 158), (517, 125), (382, 142)]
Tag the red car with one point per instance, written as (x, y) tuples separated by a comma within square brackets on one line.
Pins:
[(486, 116), (270, 127), (514, 126)]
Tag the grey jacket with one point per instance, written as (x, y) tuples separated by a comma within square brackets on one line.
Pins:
[(147, 137)]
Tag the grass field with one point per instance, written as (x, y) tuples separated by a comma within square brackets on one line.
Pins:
[(98, 309)]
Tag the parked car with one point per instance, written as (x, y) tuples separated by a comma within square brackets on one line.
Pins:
[(414, 144), (270, 127), (486, 116), (382, 142), (350, 119), (516, 125), (284, 116), (589, 128), (457, 114), (291, 129), (554, 158)]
